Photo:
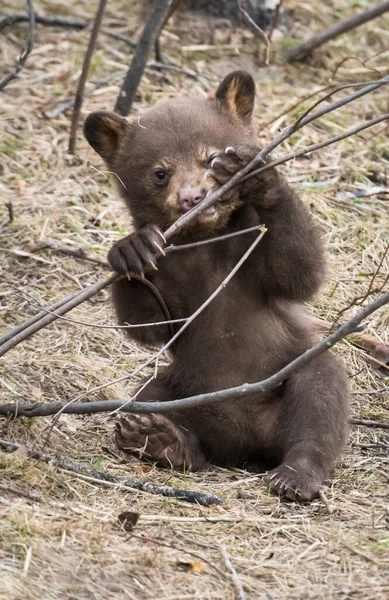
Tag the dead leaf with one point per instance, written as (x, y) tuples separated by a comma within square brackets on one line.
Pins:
[(128, 520), (191, 567)]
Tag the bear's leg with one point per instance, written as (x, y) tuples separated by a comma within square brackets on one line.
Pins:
[(157, 438), (313, 428)]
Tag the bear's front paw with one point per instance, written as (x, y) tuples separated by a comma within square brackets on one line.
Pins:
[(224, 165), (137, 252), (293, 484)]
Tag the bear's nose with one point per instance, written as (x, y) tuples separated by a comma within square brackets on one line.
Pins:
[(189, 197)]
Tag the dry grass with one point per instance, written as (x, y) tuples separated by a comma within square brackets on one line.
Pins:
[(59, 535)]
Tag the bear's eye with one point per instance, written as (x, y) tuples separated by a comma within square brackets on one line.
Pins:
[(161, 177)]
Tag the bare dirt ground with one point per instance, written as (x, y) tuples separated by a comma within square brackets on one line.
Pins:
[(60, 537)]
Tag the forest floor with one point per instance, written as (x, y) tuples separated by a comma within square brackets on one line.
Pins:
[(60, 537)]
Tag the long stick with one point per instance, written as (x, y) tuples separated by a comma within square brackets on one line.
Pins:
[(160, 10), (84, 75), (68, 464), (29, 46), (88, 292), (318, 39), (37, 317), (203, 399)]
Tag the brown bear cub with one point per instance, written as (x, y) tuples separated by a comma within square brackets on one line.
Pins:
[(166, 162)]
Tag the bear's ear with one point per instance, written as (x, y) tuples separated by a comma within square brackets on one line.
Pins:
[(105, 132), (235, 95)]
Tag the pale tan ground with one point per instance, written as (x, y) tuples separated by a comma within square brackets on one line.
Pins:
[(59, 536)]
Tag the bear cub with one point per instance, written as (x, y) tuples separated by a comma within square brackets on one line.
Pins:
[(166, 161)]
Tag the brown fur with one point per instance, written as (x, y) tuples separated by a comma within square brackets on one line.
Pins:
[(254, 327)]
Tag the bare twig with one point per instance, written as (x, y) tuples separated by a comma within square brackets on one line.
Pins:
[(313, 147), (26, 53), (48, 311), (239, 593), (96, 258), (85, 294), (84, 75), (334, 31), (258, 32), (274, 22), (69, 251), (51, 21), (203, 399), (160, 10), (36, 318), (68, 464)]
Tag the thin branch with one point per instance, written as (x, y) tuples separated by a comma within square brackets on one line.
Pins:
[(204, 399), (258, 32), (239, 593), (84, 74), (48, 311), (29, 46), (160, 11), (36, 318), (69, 251), (274, 22), (85, 294), (96, 258), (318, 39), (52, 21), (68, 464), (313, 147)]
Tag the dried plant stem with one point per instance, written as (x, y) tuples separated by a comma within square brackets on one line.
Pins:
[(160, 11), (84, 74), (68, 464), (318, 39), (274, 22), (29, 46), (204, 399), (239, 593)]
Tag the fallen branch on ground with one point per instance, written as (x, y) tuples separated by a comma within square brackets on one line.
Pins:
[(68, 464), (148, 39), (84, 74), (29, 46), (369, 423), (318, 39), (51, 21), (202, 399)]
